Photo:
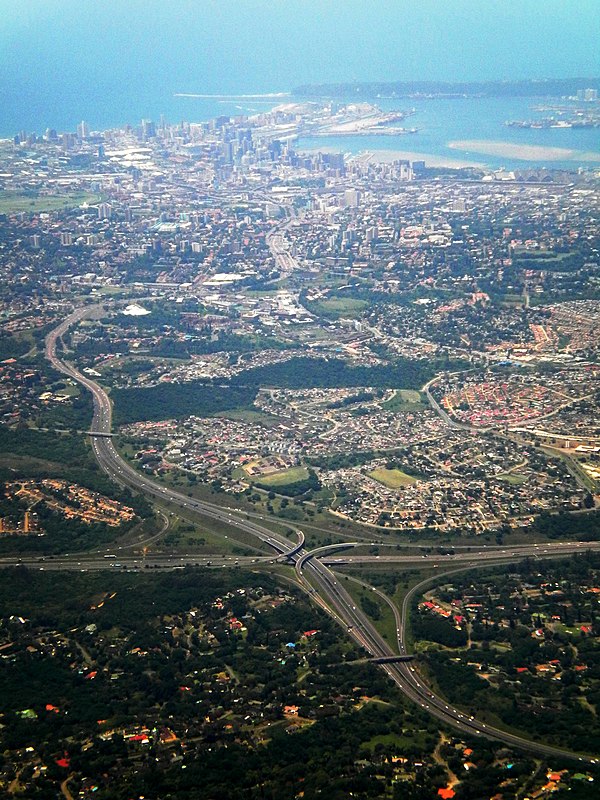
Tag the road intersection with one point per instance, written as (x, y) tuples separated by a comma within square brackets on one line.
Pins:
[(313, 568)]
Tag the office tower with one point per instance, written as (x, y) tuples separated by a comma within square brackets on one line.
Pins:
[(587, 95), (104, 211), (148, 129), (351, 198)]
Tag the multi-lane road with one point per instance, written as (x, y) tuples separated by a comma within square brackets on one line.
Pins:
[(313, 568), (121, 472)]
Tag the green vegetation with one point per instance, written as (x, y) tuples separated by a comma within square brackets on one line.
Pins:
[(344, 460), (15, 202), (187, 536), (374, 607), (584, 527), (157, 652), (179, 400), (404, 401), (338, 307), (396, 741), (392, 478), (204, 397), (69, 450), (548, 260), (514, 478), (285, 477), (195, 344), (13, 346), (293, 483), (309, 373), (74, 415), (353, 399), (252, 415), (24, 453), (428, 627), (525, 648)]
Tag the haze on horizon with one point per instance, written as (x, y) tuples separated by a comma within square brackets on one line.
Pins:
[(129, 52)]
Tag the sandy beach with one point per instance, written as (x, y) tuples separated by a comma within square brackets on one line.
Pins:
[(522, 152)]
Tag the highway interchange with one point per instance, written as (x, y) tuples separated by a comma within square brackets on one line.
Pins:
[(313, 568)]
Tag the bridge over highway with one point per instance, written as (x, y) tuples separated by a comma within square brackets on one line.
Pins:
[(319, 581)]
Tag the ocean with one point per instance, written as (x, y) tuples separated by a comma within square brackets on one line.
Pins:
[(118, 61), (439, 122), (477, 122)]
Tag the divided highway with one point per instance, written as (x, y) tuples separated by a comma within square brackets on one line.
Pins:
[(323, 585), (121, 472)]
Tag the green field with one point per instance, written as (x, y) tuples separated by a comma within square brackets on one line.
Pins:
[(14, 202), (283, 478), (514, 478), (512, 300), (69, 391), (541, 257), (404, 400), (340, 307), (392, 478), (374, 607)]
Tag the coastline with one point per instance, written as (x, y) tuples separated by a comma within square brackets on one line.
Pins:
[(387, 156), (522, 152)]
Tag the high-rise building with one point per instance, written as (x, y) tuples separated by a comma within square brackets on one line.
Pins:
[(83, 130), (587, 95), (228, 152), (351, 198), (372, 234), (148, 129), (405, 172), (68, 140), (104, 211)]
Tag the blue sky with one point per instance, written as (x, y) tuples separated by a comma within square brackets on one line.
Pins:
[(255, 45), (110, 61)]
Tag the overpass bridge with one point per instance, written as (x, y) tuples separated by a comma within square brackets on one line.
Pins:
[(392, 659)]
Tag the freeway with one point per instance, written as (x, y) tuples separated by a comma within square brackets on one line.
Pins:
[(117, 555), (479, 556), (316, 577), (405, 675), (118, 469), (102, 560)]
